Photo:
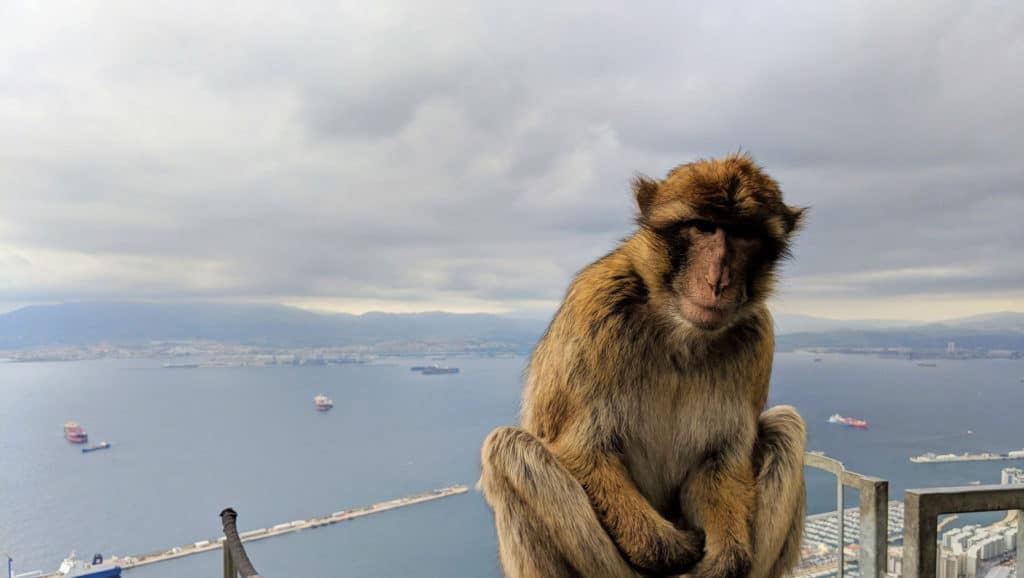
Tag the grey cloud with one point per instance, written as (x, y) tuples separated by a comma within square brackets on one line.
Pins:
[(483, 151)]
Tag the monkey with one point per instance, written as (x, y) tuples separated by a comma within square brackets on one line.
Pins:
[(645, 446)]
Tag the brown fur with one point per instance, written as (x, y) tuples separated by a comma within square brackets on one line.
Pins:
[(645, 447)]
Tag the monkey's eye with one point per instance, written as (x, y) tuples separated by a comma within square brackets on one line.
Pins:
[(703, 226)]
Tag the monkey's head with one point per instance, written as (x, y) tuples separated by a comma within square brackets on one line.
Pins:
[(715, 231)]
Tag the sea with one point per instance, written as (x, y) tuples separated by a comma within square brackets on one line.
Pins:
[(186, 443)]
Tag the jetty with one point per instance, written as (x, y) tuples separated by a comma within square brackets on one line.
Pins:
[(200, 546)]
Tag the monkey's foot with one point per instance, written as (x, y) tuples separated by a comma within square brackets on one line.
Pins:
[(731, 562), (668, 552)]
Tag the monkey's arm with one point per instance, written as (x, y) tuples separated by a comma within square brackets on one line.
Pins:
[(722, 498), (647, 540)]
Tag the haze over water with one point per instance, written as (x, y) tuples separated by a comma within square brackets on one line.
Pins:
[(187, 443)]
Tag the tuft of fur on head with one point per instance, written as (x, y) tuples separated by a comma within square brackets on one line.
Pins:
[(710, 188)]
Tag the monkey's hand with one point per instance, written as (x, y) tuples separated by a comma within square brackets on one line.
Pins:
[(660, 548), (646, 539), (729, 561)]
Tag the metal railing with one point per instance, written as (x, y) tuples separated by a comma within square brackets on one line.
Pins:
[(236, 562), (874, 515), (922, 508)]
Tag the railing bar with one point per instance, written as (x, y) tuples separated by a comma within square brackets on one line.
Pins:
[(842, 522), (1020, 543), (874, 527)]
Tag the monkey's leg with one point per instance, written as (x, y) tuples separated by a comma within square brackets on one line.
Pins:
[(546, 525), (778, 521)]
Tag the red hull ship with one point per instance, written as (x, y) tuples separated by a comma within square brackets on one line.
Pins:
[(848, 421), (74, 433)]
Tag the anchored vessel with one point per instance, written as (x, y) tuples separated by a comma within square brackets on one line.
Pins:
[(848, 421), (74, 433), (438, 370), (181, 365), (323, 403)]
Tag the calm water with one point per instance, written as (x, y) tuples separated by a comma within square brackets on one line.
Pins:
[(188, 443)]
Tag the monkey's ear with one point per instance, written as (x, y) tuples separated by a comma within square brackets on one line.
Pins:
[(644, 189), (794, 217)]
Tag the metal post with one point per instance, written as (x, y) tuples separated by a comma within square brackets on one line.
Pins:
[(841, 516), (229, 563), (919, 531), (874, 527), (1020, 543)]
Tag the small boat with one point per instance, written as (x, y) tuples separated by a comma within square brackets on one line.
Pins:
[(323, 403), (848, 421), (74, 433), (94, 447), (974, 483), (926, 364), (817, 360), (72, 567)]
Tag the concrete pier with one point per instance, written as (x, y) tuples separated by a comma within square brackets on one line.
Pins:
[(200, 546)]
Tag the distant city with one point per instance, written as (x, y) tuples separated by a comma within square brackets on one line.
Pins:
[(258, 335), (952, 351), (202, 354)]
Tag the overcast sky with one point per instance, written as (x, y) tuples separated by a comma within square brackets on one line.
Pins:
[(471, 156)]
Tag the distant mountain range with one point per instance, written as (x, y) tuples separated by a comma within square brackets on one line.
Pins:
[(989, 331), (134, 322)]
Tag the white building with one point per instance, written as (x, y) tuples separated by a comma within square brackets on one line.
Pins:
[(1012, 475)]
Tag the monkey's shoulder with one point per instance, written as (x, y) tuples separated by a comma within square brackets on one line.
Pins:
[(605, 296)]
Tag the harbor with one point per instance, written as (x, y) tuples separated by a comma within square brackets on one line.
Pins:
[(206, 545)]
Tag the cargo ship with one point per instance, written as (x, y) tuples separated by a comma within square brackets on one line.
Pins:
[(72, 567), (848, 421), (323, 403), (437, 370), (74, 433), (94, 447)]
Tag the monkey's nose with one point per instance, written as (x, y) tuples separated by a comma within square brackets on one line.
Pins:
[(718, 283)]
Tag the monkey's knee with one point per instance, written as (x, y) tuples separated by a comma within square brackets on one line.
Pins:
[(779, 465), (546, 525), (781, 439), (512, 459)]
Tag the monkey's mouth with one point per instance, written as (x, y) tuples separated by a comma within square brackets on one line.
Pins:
[(708, 317)]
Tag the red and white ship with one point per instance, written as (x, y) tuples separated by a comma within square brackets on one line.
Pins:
[(74, 433), (323, 403), (849, 421)]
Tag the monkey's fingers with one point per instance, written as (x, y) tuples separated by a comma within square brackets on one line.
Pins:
[(667, 551)]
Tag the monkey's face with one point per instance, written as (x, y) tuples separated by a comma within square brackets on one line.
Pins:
[(717, 230), (712, 286)]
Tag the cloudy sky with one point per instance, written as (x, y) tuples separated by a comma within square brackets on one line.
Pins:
[(471, 156)]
